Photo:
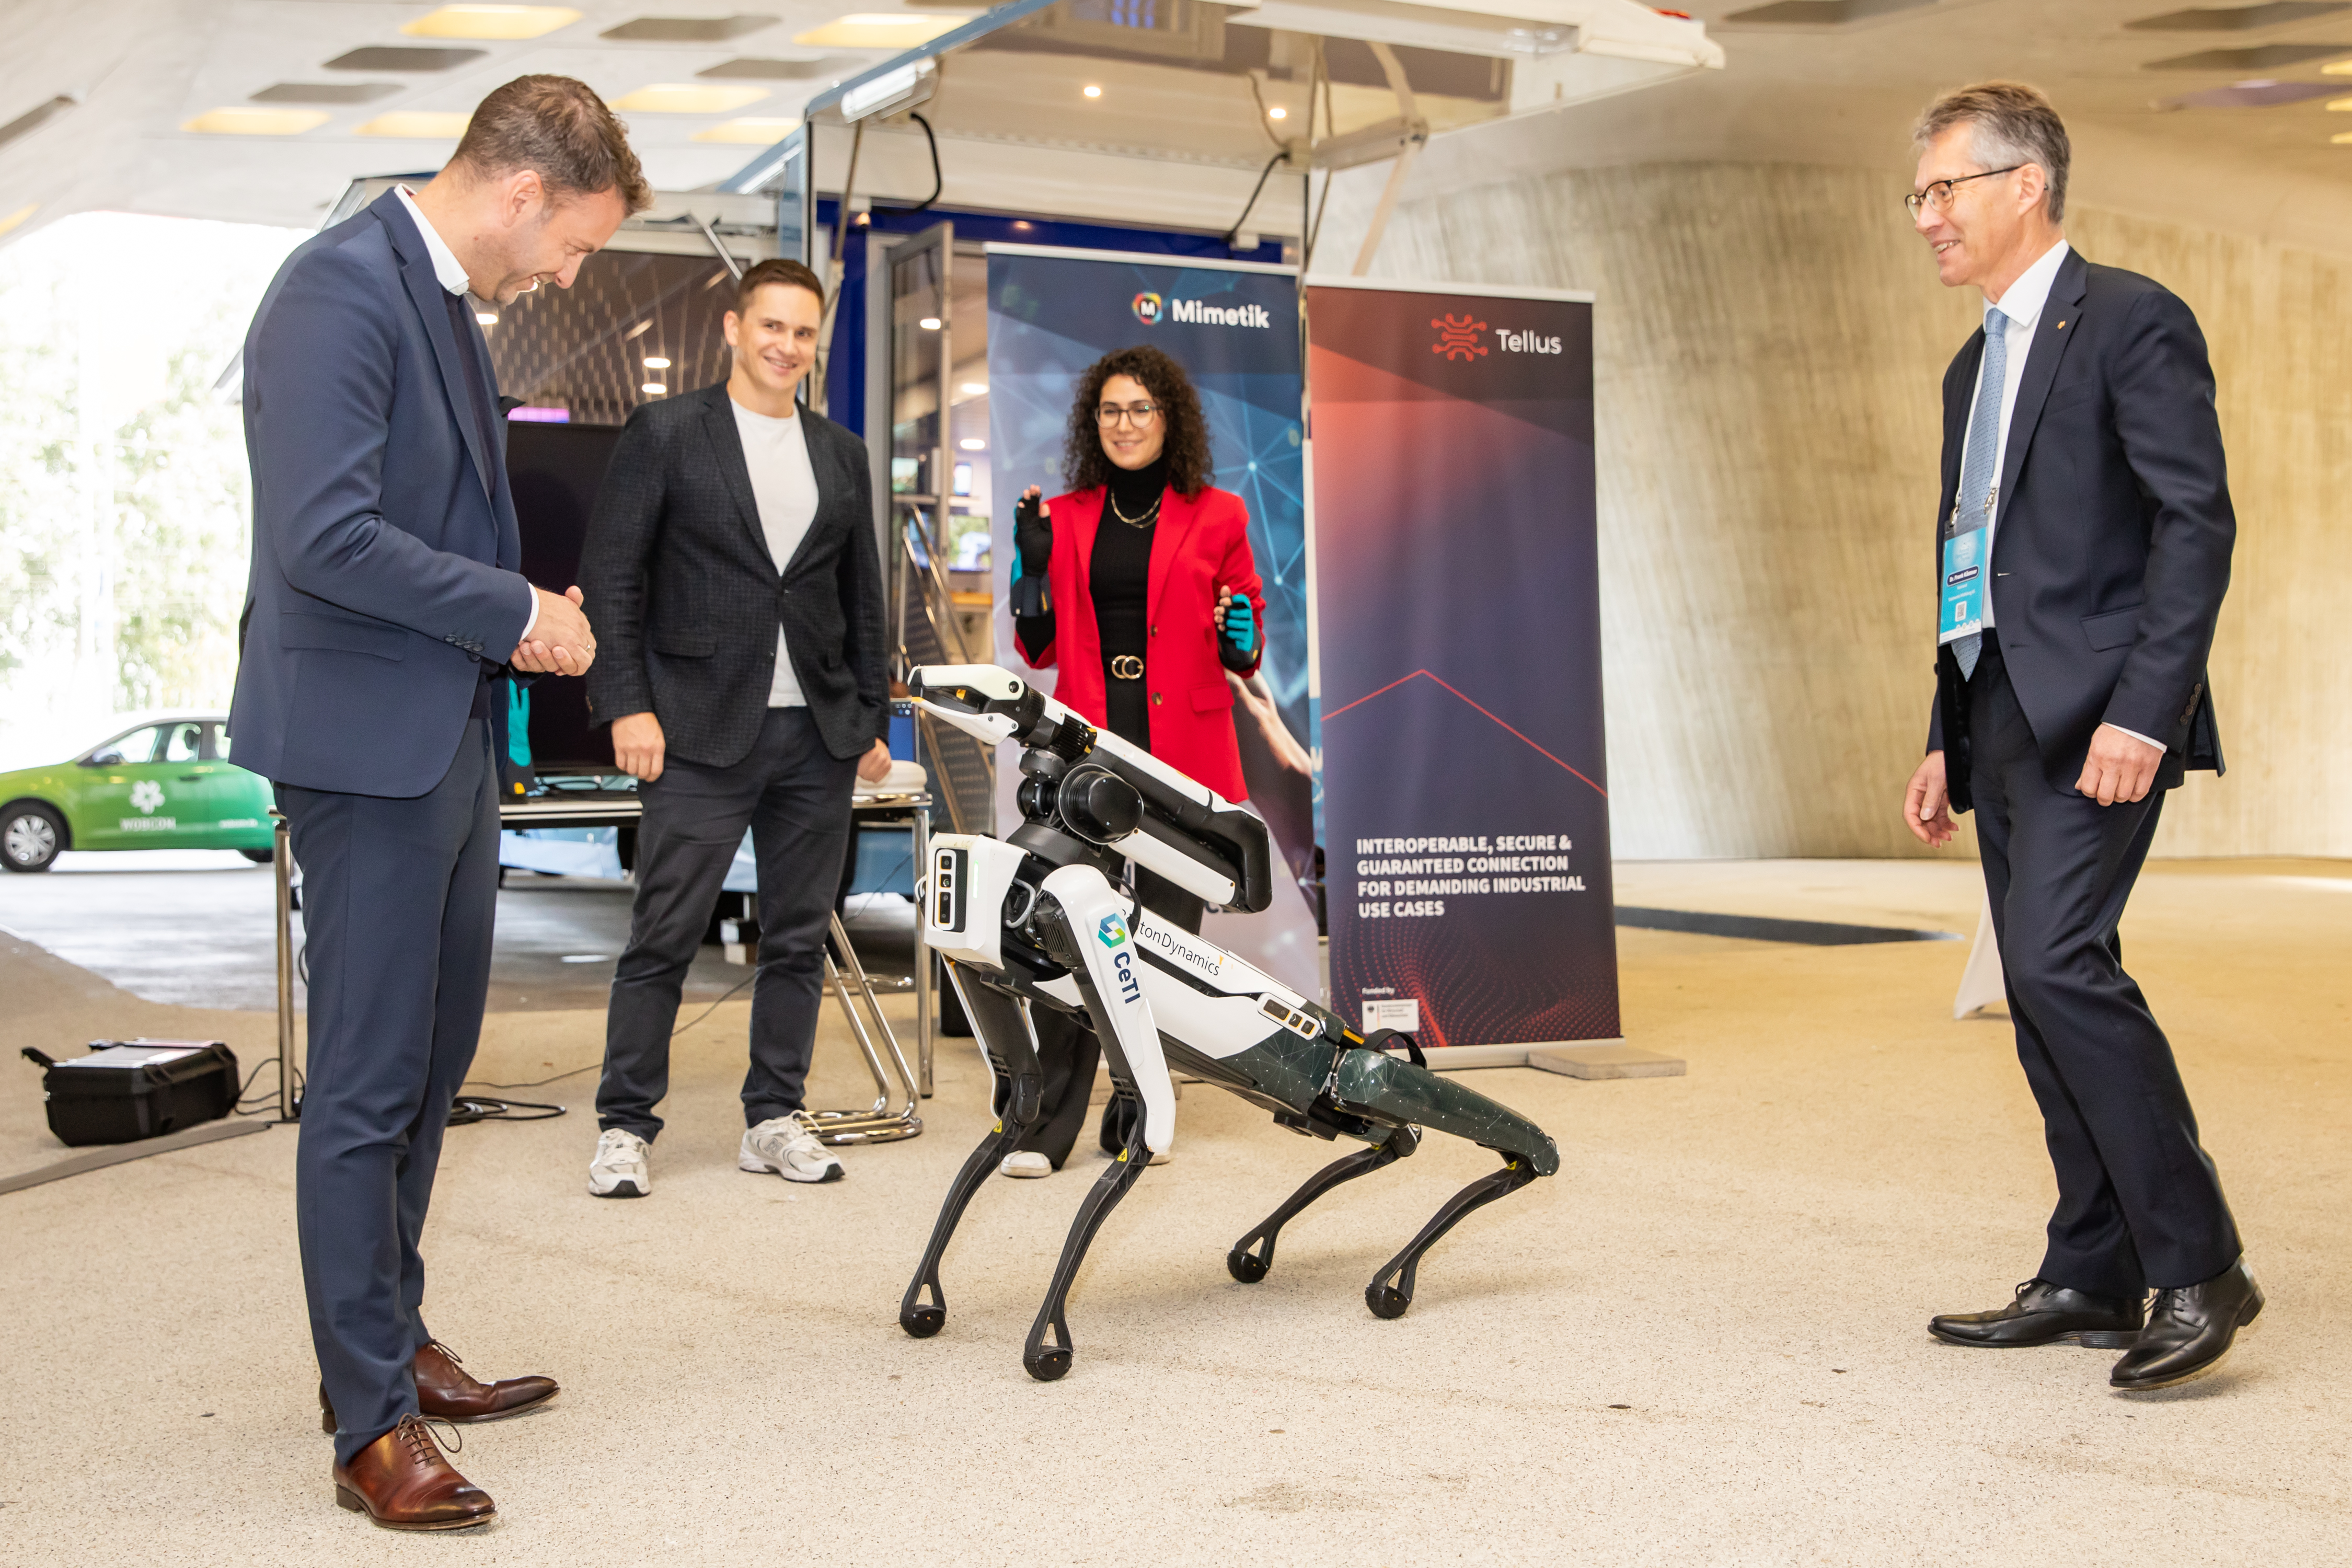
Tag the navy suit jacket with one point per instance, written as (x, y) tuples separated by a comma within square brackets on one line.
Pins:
[(386, 584), (2111, 545)]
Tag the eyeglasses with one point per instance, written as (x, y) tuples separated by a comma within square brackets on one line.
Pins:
[(1939, 194), (1137, 413)]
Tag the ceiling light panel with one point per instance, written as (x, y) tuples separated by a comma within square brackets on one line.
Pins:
[(687, 97), (393, 58), (504, 24), (2260, 93), (419, 125), (2238, 18), (757, 132), (2260, 57), (1820, 12), (686, 29), (11, 221), (878, 30), (326, 92), (257, 121), (824, 67)]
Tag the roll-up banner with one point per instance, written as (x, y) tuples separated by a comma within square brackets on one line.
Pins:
[(1464, 787), (1234, 326)]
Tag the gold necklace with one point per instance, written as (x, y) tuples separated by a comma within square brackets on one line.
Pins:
[(1145, 520)]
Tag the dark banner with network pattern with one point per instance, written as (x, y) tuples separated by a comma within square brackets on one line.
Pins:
[(1466, 790)]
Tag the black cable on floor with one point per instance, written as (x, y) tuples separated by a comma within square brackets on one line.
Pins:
[(474, 1108)]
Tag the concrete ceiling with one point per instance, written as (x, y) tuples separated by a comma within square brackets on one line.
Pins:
[(1824, 90)]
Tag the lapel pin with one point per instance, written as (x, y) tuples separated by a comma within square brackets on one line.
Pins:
[(2060, 327)]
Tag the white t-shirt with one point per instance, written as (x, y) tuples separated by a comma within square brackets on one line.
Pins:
[(783, 486)]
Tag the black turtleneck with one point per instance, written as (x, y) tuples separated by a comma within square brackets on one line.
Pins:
[(1119, 573)]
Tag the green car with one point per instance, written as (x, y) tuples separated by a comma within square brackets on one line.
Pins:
[(165, 783)]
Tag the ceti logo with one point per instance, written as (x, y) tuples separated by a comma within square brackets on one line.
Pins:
[(1458, 337), (1113, 932), (147, 794), (1146, 309)]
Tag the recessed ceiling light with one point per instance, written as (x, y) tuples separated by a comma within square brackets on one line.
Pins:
[(15, 219), (929, 324), (973, 443), (2341, 67), (1278, 112), (2342, 138), (753, 131), (686, 29), (326, 92), (655, 361), (418, 125), (653, 389), (2340, 105), (257, 121), (779, 70), (877, 30), (392, 58), (503, 23), (974, 389), (686, 98), (1091, 90), (487, 318)]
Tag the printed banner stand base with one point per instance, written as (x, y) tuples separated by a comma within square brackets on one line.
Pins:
[(1605, 1058)]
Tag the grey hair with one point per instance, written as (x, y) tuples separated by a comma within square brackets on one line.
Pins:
[(2008, 122)]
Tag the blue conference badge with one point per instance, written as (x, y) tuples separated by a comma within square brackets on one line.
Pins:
[(1964, 585)]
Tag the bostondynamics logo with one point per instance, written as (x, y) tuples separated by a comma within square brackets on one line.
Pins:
[(1113, 932)]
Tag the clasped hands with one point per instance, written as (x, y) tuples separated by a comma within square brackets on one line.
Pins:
[(2118, 768), (561, 642)]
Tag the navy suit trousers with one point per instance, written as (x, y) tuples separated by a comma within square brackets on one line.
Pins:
[(398, 900), (2139, 1205)]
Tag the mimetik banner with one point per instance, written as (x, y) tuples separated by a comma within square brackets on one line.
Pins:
[(1234, 326), (1457, 610)]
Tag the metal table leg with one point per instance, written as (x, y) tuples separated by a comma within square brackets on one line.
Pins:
[(879, 1122)]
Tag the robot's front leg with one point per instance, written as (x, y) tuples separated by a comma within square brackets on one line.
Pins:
[(1012, 1049), (1046, 1360), (1387, 1300), (1249, 1266)]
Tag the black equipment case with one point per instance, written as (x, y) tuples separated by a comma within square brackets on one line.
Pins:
[(128, 1089)]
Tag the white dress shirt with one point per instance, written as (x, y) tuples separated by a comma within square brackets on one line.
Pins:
[(2022, 305), (783, 486), (451, 273)]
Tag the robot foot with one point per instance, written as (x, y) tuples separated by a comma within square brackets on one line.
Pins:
[(1048, 1361), (1389, 1299), (1253, 1254), (922, 1318)]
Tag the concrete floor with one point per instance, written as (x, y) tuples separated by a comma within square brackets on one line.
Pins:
[(1702, 1343)]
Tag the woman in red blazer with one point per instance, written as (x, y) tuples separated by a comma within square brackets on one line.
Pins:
[(1150, 597)]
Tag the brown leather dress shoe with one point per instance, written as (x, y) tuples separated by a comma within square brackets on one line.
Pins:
[(403, 1481), (445, 1392)]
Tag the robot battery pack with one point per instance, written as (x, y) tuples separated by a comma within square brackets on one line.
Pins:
[(128, 1089)]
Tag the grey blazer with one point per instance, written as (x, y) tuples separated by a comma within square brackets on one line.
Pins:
[(686, 600)]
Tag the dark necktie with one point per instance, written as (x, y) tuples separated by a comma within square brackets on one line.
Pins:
[(479, 396)]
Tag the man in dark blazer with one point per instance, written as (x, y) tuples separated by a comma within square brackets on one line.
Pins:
[(384, 614), (732, 567), (2083, 549)]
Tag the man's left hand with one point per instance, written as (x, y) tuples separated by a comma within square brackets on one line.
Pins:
[(875, 766), (2119, 767)]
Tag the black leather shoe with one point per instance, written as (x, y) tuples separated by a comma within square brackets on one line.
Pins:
[(2190, 1330), (2045, 1314)]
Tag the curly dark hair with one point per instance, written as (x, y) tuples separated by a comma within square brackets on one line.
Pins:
[(1189, 470)]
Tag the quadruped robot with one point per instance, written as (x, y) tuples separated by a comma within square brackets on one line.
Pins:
[(1038, 920)]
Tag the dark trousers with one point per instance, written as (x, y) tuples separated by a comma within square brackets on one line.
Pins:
[(398, 900), (793, 796), (1069, 1053), (2139, 1205)]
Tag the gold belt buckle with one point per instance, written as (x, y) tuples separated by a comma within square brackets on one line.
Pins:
[(1126, 667)]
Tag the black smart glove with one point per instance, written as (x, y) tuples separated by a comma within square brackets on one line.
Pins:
[(1033, 546)]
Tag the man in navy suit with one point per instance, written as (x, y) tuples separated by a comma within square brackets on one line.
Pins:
[(2083, 549), (384, 614)]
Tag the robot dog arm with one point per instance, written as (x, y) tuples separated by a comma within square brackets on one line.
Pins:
[(1160, 819)]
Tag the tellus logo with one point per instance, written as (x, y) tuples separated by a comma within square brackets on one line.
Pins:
[(1458, 337)]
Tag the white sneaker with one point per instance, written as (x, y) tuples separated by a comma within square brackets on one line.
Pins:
[(1025, 1165), (789, 1146), (622, 1167)]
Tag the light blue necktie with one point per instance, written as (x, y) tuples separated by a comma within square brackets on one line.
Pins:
[(1978, 472)]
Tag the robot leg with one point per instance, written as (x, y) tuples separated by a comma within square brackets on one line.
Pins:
[(1249, 1266), (1011, 1050)]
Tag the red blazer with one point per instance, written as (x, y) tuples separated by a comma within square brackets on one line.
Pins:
[(1199, 544)]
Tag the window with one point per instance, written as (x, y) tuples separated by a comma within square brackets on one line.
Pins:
[(182, 743), (218, 736), (139, 746)]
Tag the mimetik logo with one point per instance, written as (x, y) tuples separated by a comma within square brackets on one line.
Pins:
[(1146, 309), (1206, 315), (1458, 337)]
